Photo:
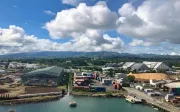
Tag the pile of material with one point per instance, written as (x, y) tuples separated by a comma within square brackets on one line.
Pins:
[(148, 76)]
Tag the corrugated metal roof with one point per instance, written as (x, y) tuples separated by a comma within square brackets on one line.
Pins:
[(157, 65), (128, 64), (54, 70), (137, 66), (173, 85), (150, 64)]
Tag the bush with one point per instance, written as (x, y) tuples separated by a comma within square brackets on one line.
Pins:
[(108, 94)]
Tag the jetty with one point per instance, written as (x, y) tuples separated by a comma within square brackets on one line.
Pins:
[(133, 99), (156, 103)]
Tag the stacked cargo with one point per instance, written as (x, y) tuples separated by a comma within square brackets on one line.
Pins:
[(90, 76), (174, 101), (100, 77), (177, 98), (117, 85), (95, 75)]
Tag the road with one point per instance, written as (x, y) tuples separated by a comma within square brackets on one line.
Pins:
[(149, 99)]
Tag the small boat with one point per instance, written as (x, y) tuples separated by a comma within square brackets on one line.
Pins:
[(130, 100), (156, 109), (72, 104), (12, 110)]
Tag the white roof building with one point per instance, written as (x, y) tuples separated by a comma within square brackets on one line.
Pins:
[(128, 65), (173, 85), (32, 66), (107, 68), (16, 65), (157, 66)]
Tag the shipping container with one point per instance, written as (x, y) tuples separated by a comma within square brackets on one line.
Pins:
[(177, 98), (81, 88), (174, 101), (119, 86), (98, 89)]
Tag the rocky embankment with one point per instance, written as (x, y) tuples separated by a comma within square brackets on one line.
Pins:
[(30, 100), (117, 95)]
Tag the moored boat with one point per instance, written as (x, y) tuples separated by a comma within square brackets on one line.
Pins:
[(130, 100), (12, 110), (72, 104), (133, 99)]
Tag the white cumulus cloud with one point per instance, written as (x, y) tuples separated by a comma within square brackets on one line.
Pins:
[(80, 19), (48, 12), (14, 39), (136, 42), (72, 2), (155, 20)]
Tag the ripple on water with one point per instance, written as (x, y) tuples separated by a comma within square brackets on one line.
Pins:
[(85, 104)]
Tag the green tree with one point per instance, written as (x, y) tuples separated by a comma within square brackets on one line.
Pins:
[(110, 73), (131, 78)]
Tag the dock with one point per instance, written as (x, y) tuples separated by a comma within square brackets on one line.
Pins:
[(157, 103)]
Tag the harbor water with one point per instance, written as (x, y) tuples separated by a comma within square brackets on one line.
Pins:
[(84, 104)]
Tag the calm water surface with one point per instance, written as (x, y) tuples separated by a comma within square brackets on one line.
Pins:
[(85, 104)]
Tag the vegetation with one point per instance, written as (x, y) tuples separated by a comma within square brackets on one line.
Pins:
[(70, 81), (62, 87), (95, 63), (110, 73), (108, 94), (131, 78)]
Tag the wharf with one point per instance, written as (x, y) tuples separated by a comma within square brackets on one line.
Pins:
[(157, 103)]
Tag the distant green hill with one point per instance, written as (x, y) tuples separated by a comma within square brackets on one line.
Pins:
[(65, 54)]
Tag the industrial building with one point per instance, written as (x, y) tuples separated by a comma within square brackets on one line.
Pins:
[(139, 67), (128, 65), (174, 88), (50, 76), (157, 66)]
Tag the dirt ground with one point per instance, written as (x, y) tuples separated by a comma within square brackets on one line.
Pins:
[(41, 90), (13, 91)]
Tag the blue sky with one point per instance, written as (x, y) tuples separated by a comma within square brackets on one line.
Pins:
[(132, 26)]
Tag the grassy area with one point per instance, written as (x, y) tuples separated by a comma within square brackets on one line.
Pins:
[(70, 82), (62, 87)]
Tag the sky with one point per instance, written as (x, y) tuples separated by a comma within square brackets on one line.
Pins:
[(124, 26)]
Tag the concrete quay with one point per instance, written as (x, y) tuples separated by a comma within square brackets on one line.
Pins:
[(157, 103)]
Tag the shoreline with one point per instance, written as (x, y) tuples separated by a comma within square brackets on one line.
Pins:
[(30, 100), (44, 99), (103, 95)]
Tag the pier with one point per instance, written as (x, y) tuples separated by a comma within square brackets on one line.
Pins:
[(159, 104)]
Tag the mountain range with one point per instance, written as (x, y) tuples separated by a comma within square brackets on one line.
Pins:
[(64, 54)]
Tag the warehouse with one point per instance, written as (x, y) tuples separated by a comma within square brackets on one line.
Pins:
[(174, 88), (139, 67), (50, 76), (128, 65), (157, 66)]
